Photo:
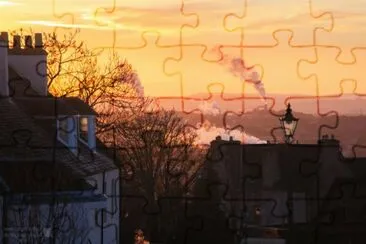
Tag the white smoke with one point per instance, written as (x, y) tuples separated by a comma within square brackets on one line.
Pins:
[(258, 84), (207, 133), (136, 82), (237, 67), (210, 108)]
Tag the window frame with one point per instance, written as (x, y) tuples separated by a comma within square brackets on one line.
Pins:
[(61, 130), (81, 139)]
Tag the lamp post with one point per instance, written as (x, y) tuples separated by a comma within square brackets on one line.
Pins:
[(288, 124)]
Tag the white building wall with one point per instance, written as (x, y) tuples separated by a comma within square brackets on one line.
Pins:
[(69, 223), (32, 67), (106, 231)]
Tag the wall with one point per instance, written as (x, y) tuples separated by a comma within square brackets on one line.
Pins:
[(106, 231), (27, 66), (281, 170), (4, 75), (29, 223)]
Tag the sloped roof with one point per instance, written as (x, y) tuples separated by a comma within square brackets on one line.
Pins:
[(25, 139), (40, 176), (87, 162), (51, 106)]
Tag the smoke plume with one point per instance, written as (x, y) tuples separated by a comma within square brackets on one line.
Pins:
[(210, 108), (207, 133), (237, 67), (136, 82)]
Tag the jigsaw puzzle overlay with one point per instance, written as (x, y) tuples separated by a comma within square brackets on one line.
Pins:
[(268, 164)]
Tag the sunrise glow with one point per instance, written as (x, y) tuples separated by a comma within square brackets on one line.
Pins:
[(148, 35)]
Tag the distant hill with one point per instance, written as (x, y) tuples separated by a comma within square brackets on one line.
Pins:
[(347, 104), (350, 130)]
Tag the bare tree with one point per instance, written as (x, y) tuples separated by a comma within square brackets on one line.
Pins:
[(161, 162), (73, 70)]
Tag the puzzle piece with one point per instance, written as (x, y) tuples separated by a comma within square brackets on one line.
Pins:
[(275, 77), (342, 216), (344, 21), (212, 212), (313, 69), (167, 20), (154, 77), (347, 96), (258, 21), (190, 78), (210, 17)]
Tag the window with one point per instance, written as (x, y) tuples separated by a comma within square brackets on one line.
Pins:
[(83, 129), (63, 129)]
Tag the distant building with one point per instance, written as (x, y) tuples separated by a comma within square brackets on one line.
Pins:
[(49, 155), (281, 187)]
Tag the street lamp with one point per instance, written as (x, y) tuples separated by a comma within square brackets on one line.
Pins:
[(288, 124)]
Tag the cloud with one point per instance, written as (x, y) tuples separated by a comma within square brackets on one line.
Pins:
[(8, 3), (64, 25)]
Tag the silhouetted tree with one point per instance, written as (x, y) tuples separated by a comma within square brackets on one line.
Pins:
[(161, 164), (75, 70)]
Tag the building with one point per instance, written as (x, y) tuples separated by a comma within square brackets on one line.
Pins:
[(51, 168), (277, 193)]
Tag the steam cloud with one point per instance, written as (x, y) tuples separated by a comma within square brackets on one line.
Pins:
[(211, 108), (237, 67), (137, 85), (207, 133)]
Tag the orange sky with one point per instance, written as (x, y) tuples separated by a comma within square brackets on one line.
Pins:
[(119, 24)]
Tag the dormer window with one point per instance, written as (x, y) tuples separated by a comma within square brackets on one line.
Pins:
[(66, 132), (77, 129), (86, 131)]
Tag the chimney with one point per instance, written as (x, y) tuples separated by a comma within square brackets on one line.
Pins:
[(30, 63), (28, 42), (16, 41), (4, 73), (38, 40), (5, 39)]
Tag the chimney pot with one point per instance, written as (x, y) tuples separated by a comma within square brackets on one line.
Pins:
[(38, 40), (16, 41), (28, 42), (5, 39)]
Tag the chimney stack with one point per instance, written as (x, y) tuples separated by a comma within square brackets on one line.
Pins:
[(5, 39), (16, 41), (4, 72), (38, 40), (28, 42)]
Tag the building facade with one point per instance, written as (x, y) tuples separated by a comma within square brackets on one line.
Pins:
[(277, 188), (52, 170)]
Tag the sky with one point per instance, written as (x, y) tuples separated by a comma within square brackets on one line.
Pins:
[(170, 46)]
